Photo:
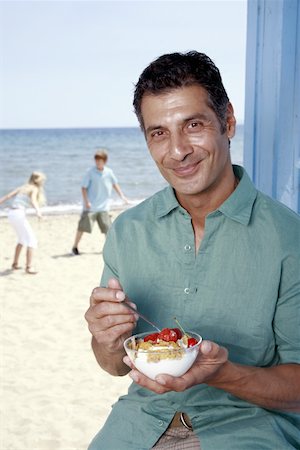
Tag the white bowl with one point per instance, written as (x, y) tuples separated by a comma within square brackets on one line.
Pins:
[(171, 361)]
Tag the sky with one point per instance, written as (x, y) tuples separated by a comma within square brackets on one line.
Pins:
[(67, 64)]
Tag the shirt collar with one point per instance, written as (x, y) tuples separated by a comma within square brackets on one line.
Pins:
[(166, 202), (94, 168), (238, 206)]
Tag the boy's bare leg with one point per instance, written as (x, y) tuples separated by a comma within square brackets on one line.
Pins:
[(76, 242)]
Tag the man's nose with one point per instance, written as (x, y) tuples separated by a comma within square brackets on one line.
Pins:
[(179, 147)]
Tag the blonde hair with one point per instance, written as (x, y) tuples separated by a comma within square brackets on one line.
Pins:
[(36, 179)]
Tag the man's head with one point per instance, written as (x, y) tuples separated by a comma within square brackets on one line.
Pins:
[(188, 122), (176, 70)]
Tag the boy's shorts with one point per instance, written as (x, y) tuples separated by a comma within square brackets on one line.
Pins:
[(88, 219)]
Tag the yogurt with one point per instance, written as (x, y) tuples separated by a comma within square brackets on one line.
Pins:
[(169, 358)]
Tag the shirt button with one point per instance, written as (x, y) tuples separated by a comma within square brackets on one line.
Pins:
[(187, 290), (187, 247), (160, 423)]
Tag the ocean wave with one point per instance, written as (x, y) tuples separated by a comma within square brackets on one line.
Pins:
[(69, 208)]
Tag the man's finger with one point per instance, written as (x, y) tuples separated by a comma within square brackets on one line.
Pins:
[(208, 347), (106, 295), (146, 382), (113, 283)]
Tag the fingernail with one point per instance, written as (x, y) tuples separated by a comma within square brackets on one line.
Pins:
[(134, 376), (126, 360), (120, 295), (133, 305), (160, 380), (206, 347)]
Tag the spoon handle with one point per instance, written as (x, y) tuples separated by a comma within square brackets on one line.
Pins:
[(141, 316)]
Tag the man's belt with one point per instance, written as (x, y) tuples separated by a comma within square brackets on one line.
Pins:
[(181, 419)]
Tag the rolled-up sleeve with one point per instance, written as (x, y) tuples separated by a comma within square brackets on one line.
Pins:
[(287, 314)]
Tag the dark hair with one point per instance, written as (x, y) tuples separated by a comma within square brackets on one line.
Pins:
[(177, 70)]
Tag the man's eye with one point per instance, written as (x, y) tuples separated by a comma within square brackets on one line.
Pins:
[(157, 133), (194, 124)]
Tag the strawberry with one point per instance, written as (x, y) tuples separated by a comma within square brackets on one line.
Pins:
[(192, 341), (178, 332), (167, 335), (151, 337)]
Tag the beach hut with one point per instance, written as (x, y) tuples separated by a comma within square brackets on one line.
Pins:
[(272, 111)]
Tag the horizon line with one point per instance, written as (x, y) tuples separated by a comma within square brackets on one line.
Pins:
[(78, 127)]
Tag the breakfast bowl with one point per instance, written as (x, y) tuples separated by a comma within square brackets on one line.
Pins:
[(152, 355)]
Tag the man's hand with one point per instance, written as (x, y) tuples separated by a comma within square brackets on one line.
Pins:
[(110, 323), (210, 360), (275, 387)]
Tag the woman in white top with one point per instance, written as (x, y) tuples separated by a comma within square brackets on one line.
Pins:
[(28, 195)]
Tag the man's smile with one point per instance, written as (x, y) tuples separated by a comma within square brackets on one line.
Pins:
[(186, 170)]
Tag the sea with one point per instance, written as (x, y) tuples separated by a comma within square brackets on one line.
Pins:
[(64, 155)]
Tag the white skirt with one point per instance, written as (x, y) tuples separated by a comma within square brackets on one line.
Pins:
[(19, 222)]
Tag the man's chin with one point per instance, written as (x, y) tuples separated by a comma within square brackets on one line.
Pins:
[(185, 186), (186, 190)]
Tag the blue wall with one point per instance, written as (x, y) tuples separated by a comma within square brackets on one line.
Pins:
[(272, 104)]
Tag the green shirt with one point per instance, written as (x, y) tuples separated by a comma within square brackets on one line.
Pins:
[(241, 290)]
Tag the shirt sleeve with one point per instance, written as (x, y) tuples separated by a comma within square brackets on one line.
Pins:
[(86, 180), (114, 179), (287, 315)]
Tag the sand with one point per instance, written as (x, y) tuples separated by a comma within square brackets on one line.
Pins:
[(54, 395)]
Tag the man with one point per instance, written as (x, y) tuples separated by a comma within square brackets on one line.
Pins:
[(96, 191), (219, 255)]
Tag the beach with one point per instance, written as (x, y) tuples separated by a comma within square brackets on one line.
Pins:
[(54, 395)]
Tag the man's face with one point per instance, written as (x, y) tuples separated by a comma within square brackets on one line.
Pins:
[(184, 137)]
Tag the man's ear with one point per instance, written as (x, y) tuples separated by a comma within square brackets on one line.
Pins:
[(230, 121)]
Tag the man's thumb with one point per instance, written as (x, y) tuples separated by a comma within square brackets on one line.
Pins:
[(113, 283)]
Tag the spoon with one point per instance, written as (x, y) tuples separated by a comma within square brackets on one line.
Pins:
[(141, 316)]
